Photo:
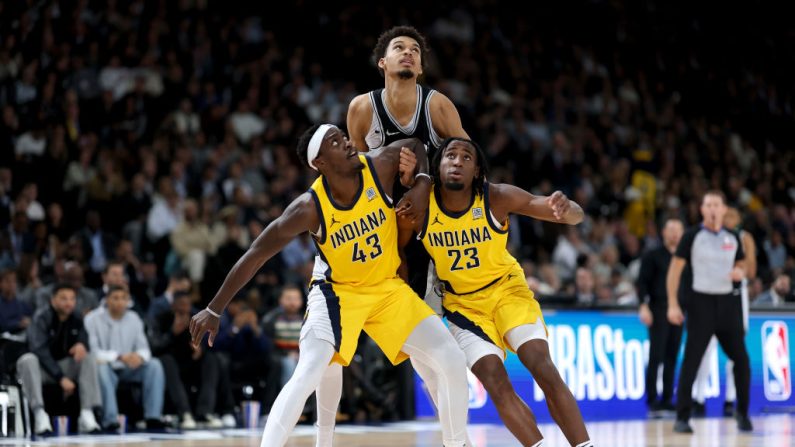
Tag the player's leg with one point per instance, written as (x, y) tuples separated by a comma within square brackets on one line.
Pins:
[(530, 343), (701, 383), (328, 395), (431, 344), (312, 364)]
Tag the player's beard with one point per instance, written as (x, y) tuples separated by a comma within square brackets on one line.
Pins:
[(406, 74), (454, 186)]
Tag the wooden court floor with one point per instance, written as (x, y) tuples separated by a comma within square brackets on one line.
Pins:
[(770, 431)]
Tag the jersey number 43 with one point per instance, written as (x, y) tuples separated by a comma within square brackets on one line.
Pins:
[(373, 243)]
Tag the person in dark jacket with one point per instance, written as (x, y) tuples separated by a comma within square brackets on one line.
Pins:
[(59, 354)]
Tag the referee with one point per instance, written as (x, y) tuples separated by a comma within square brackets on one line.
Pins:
[(664, 337), (716, 257)]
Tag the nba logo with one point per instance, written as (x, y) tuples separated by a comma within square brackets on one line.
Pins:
[(775, 355), (477, 213)]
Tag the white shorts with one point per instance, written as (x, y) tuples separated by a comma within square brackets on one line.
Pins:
[(475, 347)]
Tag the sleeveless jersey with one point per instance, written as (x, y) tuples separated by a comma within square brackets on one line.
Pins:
[(357, 245), (469, 247), (385, 129)]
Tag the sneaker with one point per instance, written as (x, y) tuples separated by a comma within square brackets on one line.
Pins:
[(187, 422), (681, 426), (229, 420), (728, 409), (111, 428), (42, 427), (654, 409), (699, 410), (87, 423), (744, 424), (155, 425), (210, 421)]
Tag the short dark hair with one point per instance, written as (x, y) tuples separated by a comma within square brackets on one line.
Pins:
[(116, 288), (383, 42), (303, 144), (716, 193), (482, 163), (61, 286)]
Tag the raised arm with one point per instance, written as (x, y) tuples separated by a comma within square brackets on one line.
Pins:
[(301, 215), (506, 199), (360, 114)]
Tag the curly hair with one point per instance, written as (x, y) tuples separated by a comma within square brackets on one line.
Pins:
[(303, 143), (383, 42), (481, 162)]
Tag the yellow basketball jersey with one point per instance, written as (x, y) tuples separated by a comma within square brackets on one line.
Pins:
[(469, 248), (357, 245)]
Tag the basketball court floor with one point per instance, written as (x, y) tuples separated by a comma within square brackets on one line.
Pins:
[(770, 431)]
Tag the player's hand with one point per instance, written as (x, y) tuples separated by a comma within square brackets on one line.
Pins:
[(559, 204), (202, 323), (645, 315), (414, 203), (737, 274), (675, 315), (408, 162), (78, 352)]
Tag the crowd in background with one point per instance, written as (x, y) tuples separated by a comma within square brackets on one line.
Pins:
[(145, 144)]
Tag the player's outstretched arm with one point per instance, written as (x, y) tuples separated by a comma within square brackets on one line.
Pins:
[(299, 216), (506, 199)]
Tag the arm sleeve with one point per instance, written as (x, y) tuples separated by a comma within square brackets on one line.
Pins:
[(645, 278), (685, 247), (102, 355), (141, 343)]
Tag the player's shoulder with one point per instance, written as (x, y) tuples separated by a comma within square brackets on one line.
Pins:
[(360, 102)]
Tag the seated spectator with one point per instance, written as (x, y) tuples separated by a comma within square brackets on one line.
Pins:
[(119, 343), (178, 282), (59, 354), (14, 313), (185, 365), (71, 273), (778, 294), (14, 320), (247, 349), (192, 242), (283, 326)]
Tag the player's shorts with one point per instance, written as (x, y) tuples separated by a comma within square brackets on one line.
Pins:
[(388, 313), (483, 322)]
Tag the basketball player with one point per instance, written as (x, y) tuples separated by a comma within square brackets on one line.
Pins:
[(733, 222), (403, 109), (486, 300), (355, 285)]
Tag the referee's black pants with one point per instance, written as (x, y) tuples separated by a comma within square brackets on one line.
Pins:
[(664, 340), (722, 316)]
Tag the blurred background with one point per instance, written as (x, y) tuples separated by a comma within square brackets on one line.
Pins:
[(161, 136)]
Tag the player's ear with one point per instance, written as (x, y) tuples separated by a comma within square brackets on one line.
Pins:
[(381, 63)]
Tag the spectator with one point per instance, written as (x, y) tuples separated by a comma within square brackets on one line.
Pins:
[(119, 343), (247, 350), (70, 273), (585, 287), (778, 294), (59, 354), (98, 247), (283, 326), (14, 313), (185, 365), (192, 241), (178, 283)]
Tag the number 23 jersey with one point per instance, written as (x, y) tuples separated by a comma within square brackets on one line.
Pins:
[(357, 244), (468, 247)]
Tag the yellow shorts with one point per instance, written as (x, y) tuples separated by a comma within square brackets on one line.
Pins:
[(388, 313), (492, 312)]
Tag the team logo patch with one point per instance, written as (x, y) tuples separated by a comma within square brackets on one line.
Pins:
[(776, 360), (370, 193), (728, 243), (477, 213)]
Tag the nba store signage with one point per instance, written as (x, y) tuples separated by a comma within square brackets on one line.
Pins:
[(602, 357)]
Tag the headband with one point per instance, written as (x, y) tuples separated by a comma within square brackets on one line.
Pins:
[(314, 144)]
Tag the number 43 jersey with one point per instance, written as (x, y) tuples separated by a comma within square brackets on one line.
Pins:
[(469, 247), (357, 244)]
